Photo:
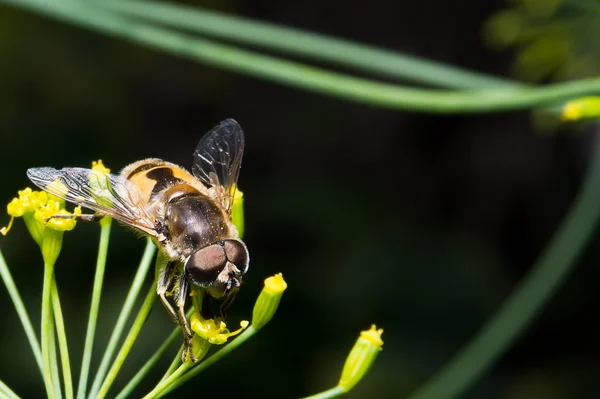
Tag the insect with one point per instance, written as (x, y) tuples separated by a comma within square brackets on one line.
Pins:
[(187, 215)]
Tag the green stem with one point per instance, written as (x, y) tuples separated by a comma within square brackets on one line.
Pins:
[(62, 341), (528, 298), (330, 393), (94, 307), (174, 364), (6, 392), (54, 358), (181, 370), (132, 295), (197, 369), (21, 312), (133, 383), (46, 328), (129, 341), (299, 42), (305, 77)]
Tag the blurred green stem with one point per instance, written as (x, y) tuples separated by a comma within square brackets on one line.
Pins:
[(6, 392), (94, 307), (62, 341), (528, 298), (305, 77), (132, 295), (21, 312), (129, 341), (312, 45), (330, 393)]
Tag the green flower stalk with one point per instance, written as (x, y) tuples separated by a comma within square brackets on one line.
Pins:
[(38, 209), (268, 301), (361, 357)]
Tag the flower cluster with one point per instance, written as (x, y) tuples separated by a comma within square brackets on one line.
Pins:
[(39, 210)]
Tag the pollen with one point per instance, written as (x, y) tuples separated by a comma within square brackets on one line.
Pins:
[(214, 331)]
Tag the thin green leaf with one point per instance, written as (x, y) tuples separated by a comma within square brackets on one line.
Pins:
[(312, 45)]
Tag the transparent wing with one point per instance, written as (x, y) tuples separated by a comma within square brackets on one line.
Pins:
[(218, 158), (105, 193)]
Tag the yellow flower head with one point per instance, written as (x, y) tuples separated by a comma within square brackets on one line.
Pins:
[(99, 167), (28, 201), (373, 335), (46, 215), (275, 284), (213, 330)]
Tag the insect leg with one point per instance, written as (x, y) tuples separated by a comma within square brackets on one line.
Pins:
[(225, 304), (188, 336), (94, 217), (162, 286)]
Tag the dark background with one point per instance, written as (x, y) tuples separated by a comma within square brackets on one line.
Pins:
[(422, 224)]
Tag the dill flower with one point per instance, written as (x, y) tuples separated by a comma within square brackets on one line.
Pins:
[(268, 301), (361, 357), (38, 208), (214, 331)]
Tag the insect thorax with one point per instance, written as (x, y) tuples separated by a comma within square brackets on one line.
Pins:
[(194, 221)]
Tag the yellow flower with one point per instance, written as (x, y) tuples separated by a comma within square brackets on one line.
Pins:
[(28, 201), (46, 213), (99, 167), (37, 208), (361, 357), (268, 301), (213, 330)]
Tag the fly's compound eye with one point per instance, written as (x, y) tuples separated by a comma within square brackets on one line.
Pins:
[(237, 253), (203, 266)]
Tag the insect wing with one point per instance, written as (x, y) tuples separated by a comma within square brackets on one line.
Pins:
[(218, 158), (105, 193)]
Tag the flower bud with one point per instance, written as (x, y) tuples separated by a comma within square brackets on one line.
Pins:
[(268, 300), (361, 358), (581, 109), (237, 212), (200, 347)]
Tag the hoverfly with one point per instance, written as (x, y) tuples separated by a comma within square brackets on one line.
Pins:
[(187, 215)]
